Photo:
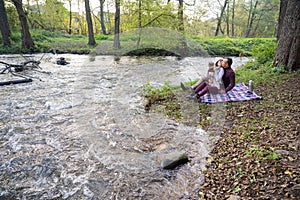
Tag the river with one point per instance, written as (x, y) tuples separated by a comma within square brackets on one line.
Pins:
[(81, 132)]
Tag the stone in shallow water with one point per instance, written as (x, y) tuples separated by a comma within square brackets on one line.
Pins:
[(173, 159)]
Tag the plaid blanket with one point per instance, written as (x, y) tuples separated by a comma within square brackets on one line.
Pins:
[(238, 93)]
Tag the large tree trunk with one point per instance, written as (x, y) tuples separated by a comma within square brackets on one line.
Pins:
[(103, 28), (89, 23), (283, 6), (4, 26), (220, 18), (288, 51), (117, 25), (27, 41)]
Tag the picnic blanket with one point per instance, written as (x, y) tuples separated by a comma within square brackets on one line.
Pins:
[(238, 93)]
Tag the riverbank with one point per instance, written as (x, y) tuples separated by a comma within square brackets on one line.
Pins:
[(257, 153), (163, 42)]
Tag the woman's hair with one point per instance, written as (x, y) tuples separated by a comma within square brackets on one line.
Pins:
[(216, 64)]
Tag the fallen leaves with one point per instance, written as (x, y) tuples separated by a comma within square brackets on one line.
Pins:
[(258, 156)]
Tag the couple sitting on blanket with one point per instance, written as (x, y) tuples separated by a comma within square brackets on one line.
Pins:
[(219, 79)]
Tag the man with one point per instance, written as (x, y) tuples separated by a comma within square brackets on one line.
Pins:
[(229, 75), (228, 79)]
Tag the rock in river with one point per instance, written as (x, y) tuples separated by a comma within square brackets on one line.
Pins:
[(172, 160)]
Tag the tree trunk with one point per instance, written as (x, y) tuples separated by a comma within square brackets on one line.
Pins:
[(257, 25), (220, 18), (252, 13), (288, 51), (283, 6), (182, 43), (70, 17), (4, 25), (117, 25), (232, 19), (139, 22), (180, 16), (89, 23), (227, 20), (103, 28), (108, 20), (27, 41)]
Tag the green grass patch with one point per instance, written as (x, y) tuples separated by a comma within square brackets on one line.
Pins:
[(232, 46)]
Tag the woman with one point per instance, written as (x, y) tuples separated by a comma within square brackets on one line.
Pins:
[(227, 82), (212, 82)]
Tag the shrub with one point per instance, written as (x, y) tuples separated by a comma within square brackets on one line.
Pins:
[(264, 52)]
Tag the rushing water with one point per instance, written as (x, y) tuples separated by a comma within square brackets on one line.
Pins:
[(82, 131)]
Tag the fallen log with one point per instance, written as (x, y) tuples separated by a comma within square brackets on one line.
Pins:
[(16, 81)]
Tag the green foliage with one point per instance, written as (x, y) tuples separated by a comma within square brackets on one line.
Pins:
[(262, 153), (16, 37), (233, 46), (158, 93), (260, 68), (279, 70), (101, 37), (264, 52)]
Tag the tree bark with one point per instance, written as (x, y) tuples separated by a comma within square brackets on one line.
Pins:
[(288, 51), (220, 18), (27, 41), (4, 25), (283, 6), (103, 28), (89, 23), (117, 25)]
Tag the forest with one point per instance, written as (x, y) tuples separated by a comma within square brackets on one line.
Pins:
[(235, 18), (32, 21)]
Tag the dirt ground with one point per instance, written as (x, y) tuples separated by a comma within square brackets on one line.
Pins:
[(258, 155)]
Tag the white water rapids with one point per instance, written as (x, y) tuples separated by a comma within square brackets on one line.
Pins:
[(82, 132)]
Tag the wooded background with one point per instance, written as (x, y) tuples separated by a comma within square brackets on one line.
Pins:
[(240, 18), (232, 18)]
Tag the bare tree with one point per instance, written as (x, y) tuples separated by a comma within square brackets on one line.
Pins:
[(89, 23), (27, 41), (4, 25), (288, 51)]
